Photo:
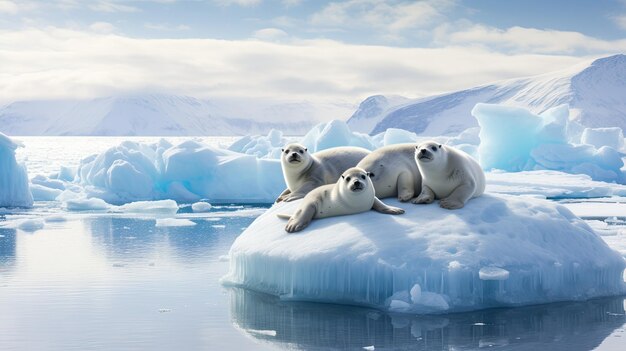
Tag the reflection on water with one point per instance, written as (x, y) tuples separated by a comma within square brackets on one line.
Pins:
[(7, 248), (112, 283), (306, 326)]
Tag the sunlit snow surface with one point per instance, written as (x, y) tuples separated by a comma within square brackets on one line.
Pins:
[(496, 251)]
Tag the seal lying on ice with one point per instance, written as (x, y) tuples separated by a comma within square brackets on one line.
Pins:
[(447, 174), (304, 172), (352, 193)]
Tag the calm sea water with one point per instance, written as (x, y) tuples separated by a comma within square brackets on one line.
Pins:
[(117, 282)]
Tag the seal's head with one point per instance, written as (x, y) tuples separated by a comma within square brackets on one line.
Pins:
[(429, 152), (295, 156), (356, 180)]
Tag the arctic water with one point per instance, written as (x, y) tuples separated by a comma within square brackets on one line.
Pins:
[(106, 281)]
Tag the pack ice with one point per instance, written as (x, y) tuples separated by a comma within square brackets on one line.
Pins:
[(14, 190), (499, 250)]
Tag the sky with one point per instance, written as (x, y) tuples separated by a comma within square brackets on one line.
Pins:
[(293, 50)]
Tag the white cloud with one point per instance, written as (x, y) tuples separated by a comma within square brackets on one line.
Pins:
[(270, 34), (519, 39), (386, 15), (109, 6), (102, 27), (166, 27), (61, 63), (244, 3), (620, 21), (8, 7)]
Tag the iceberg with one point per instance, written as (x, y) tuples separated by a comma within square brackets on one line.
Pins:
[(514, 139), (14, 187), (335, 133), (500, 250), (187, 172)]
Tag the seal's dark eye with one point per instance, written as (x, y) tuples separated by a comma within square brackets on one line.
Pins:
[(287, 151), (362, 177), (348, 179), (301, 151), (433, 148), (371, 174)]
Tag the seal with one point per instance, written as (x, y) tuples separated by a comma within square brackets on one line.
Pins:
[(448, 174), (393, 171), (352, 193), (304, 172)]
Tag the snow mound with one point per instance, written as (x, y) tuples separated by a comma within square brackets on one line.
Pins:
[(598, 137), (497, 251), (186, 172), (201, 206), (534, 142), (14, 190)]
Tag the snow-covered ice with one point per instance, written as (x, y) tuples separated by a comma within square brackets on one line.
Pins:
[(332, 134), (84, 204), (499, 250), (14, 188), (598, 137), (186, 172), (514, 139), (153, 207), (551, 184), (201, 206), (173, 222)]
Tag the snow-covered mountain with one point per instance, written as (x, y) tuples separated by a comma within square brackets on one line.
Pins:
[(595, 92), (161, 115), (372, 110)]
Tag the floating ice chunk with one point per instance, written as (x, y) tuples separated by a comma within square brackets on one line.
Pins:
[(416, 293), (399, 305), (47, 182), (398, 136), (442, 251), (186, 172), (493, 273), (261, 146), (82, 204), (161, 206), (369, 348), (174, 222), (31, 225), (551, 184), (335, 133), (66, 173), (42, 193), (514, 139), (598, 137), (201, 207), (14, 188)]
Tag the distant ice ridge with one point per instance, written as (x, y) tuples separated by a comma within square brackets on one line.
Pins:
[(499, 250), (14, 187), (514, 139), (249, 171)]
